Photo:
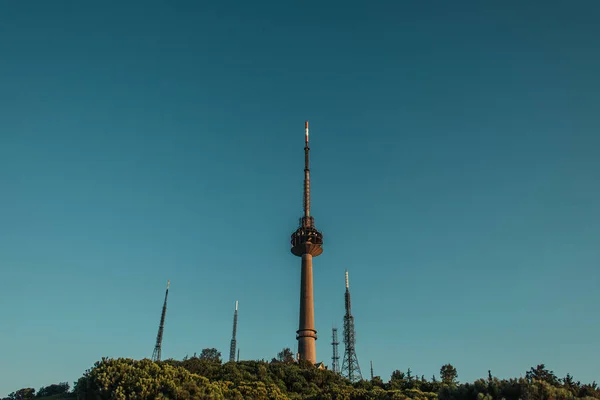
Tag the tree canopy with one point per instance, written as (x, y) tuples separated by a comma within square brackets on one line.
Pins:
[(206, 377)]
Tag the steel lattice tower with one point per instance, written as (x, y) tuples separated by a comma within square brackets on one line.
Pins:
[(350, 367), (233, 341), (157, 347), (307, 243), (335, 359)]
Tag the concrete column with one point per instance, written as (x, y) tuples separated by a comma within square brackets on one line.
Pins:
[(307, 335)]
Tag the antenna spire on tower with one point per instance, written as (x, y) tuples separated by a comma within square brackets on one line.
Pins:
[(158, 347), (347, 285), (306, 131), (306, 172)]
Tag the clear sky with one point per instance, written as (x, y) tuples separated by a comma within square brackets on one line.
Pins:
[(455, 174)]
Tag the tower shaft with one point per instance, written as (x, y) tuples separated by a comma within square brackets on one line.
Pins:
[(350, 367), (335, 359), (158, 347), (307, 243), (233, 336), (307, 334)]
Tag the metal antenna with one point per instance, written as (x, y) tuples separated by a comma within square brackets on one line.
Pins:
[(306, 172), (157, 347), (350, 367), (233, 341), (371, 369), (335, 359)]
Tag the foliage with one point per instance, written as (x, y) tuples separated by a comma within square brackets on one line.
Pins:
[(53, 390), (211, 354), (448, 374), (205, 377), (285, 356), (22, 394), (540, 373)]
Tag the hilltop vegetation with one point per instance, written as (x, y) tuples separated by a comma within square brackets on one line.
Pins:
[(206, 377)]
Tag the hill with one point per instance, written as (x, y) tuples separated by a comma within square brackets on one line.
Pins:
[(206, 377)]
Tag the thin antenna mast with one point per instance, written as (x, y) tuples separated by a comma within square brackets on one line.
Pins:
[(233, 336), (306, 172), (335, 359), (158, 347)]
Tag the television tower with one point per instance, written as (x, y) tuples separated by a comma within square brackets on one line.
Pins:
[(350, 367), (335, 359), (307, 243), (157, 347), (233, 341)]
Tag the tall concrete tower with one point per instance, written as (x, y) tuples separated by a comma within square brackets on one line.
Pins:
[(307, 243)]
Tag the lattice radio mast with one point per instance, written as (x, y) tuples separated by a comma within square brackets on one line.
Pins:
[(157, 347), (335, 359), (350, 367), (233, 341)]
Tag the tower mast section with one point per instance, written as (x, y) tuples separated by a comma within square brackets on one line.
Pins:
[(335, 359), (306, 172), (158, 347), (233, 336)]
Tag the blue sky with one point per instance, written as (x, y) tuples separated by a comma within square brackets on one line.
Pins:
[(455, 174)]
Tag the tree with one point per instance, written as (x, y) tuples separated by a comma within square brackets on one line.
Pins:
[(397, 375), (122, 379), (52, 390), (570, 384), (285, 356), (377, 381), (410, 380), (590, 390), (540, 373), (211, 354), (397, 380), (448, 374), (22, 394)]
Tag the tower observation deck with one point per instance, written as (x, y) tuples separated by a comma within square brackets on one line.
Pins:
[(307, 243)]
